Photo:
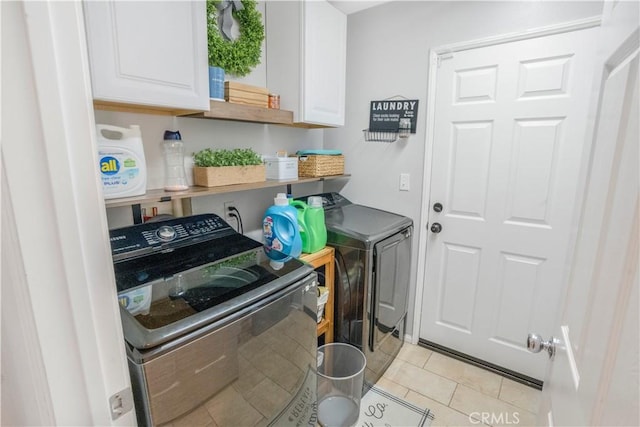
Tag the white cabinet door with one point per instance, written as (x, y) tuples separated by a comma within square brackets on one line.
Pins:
[(149, 53), (324, 69), (306, 60)]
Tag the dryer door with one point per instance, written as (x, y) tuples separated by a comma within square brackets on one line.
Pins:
[(390, 288)]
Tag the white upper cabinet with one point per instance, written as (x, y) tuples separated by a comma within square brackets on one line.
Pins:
[(149, 53), (306, 59)]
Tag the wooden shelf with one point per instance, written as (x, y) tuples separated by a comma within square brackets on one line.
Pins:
[(323, 326), (245, 113), (324, 257), (140, 109), (218, 110), (159, 195)]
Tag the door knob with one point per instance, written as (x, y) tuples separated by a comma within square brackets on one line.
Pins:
[(535, 344), (437, 207), (436, 227)]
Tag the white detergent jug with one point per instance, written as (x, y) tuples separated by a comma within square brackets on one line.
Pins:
[(123, 170)]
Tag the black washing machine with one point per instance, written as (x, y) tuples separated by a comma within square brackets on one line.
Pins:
[(373, 268), (211, 327)]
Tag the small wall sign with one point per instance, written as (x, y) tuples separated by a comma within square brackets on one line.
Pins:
[(385, 115)]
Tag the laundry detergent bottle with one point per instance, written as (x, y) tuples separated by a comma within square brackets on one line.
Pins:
[(316, 227), (313, 231), (121, 162), (301, 209), (281, 232)]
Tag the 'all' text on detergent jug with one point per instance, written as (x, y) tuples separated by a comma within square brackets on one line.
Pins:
[(281, 232)]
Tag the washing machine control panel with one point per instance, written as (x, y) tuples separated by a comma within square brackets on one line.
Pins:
[(334, 199), (163, 235), (329, 200)]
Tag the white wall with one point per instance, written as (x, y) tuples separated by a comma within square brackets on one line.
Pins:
[(387, 56)]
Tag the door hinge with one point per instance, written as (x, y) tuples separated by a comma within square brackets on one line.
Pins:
[(121, 403)]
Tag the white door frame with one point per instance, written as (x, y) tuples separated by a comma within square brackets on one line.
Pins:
[(434, 56), (69, 357)]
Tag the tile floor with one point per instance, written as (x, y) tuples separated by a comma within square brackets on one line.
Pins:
[(459, 394)]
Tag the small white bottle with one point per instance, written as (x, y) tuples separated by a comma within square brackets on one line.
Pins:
[(175, 178)]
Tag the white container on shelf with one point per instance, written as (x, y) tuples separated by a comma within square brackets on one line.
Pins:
[(281, 168), (121, 162)]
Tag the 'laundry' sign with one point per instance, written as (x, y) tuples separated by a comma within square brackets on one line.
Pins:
[(385, 115)]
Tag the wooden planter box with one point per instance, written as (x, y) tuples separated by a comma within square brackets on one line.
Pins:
[(228, 175)]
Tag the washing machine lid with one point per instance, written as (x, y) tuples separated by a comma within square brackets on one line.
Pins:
[(362, 226), (180, 275)]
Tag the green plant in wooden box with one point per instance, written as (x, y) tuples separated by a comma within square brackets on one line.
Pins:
[(214, 168)]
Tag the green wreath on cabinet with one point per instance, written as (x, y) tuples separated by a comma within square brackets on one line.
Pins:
[(238, 56)]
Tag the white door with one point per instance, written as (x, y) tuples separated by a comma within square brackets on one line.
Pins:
[(62, 347), (593, 379), (509, 132)]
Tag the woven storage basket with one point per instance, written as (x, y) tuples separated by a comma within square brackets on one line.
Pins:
[(320, 165)]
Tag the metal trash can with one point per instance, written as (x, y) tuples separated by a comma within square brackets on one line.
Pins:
[(340, 378)]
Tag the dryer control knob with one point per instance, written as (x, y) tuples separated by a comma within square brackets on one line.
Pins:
[(166, 233)]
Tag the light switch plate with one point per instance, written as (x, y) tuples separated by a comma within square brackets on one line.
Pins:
[(404, 182)]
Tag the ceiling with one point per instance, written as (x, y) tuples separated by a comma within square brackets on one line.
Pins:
[(352, 6)]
